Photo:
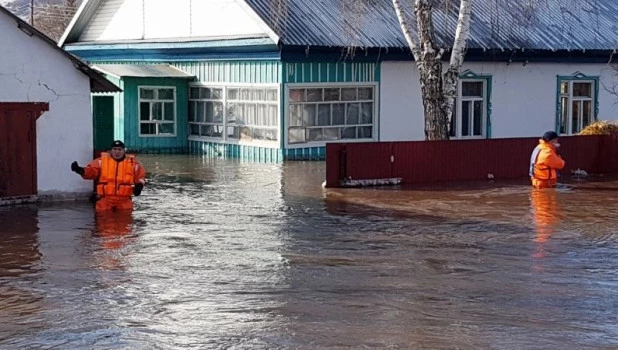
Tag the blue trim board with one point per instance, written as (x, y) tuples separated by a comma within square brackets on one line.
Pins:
[(141, 56)]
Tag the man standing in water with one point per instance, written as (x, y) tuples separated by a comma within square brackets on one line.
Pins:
[(545, 162), (118, 176)]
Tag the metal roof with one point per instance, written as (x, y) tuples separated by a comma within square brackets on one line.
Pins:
[(495, 24), (142, 71)]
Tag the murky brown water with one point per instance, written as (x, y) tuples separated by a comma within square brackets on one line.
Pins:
[(222, 254)]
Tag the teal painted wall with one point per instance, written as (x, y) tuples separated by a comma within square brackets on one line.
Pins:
[(130, 118), (257, 72)]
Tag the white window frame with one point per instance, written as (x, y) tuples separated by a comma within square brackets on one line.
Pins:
[(570, 99), (292, 86), (458, 109), (225, 138), (157, 122)]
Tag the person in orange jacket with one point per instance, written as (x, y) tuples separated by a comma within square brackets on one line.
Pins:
[(545, 161), (118, 176)]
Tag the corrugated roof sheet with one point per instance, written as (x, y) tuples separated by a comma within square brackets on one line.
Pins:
[(496, 24), (142, 71)]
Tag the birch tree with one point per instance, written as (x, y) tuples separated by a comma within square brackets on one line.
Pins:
[(438, 89)]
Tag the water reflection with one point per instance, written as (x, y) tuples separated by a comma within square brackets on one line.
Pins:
[(226, 254)]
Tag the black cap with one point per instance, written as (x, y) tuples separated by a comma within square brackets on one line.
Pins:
[(117, 143), (550, 135)]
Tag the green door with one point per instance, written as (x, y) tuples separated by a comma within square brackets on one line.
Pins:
[(103, 114)]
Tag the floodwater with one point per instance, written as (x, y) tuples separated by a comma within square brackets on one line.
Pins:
[(221, 254)]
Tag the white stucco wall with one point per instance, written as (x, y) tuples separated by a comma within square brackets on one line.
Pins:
[(523, 97), (31, 70)]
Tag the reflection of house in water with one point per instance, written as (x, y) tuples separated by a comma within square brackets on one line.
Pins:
[(19, 256)]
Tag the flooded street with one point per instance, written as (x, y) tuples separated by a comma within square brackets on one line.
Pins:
[(223, 254)]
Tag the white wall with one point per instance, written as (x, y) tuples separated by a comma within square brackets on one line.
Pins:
[(523, 97), (160, 19), (31, 70)]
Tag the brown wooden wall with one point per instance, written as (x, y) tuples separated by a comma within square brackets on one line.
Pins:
[(462, 160), (18, 170)]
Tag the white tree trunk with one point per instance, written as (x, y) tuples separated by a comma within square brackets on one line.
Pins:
[(451, 77), (438, 91)]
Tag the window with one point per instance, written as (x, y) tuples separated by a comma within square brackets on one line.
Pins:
[(470, 113), (327, 113), (244, 113), (157, 111), (576, 103)]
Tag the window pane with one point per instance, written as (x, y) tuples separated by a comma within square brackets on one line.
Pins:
[(216, 130), (296, 135), (201, 106), (314, 95), (315, 135), (205, 93), (169, 111), (272, 95), (210, 112), (205, 130), (144, 111), (148, 129), (586, 114), (348, 94), (453, 125), (192, 107), (146, 94), (564, 88), (218, 112), (478, 118), (245, 133), (194, 129), (245, 94), (364, 132), (582, 89), (233, 132), (365, 93), (216, 94), (157, 111), (575, 117), (331, 94), (338, 114), (324, 114), (348, 133), (472, 88), (295, 115), (273, 116), (309, 115), (166, 128), (331, 134), (258, 95), (564, 117), (270, 135), (297, 95), (353, 113), (194, 93), (465, 118), (258, 134), (166, 94), (232, 94), (232, 111), (366, 116)]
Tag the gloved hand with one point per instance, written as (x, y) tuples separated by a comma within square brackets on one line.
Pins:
[(137, 190), (76, 168)]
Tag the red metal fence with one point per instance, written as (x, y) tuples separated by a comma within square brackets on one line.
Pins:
[(461, 160)]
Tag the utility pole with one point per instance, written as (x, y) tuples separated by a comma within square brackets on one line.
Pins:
[(32, 13)]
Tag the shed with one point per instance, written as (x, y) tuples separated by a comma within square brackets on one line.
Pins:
[(45, 114)]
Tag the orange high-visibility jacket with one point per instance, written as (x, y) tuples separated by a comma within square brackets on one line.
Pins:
[(115, 178), (544, 165)]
